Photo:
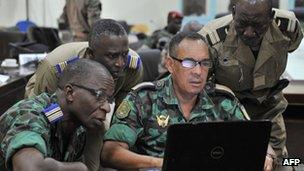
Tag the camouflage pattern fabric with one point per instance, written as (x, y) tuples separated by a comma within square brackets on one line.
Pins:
[(25, 125), (143, 117)]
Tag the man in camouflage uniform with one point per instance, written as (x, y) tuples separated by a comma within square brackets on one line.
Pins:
[(79, 16), (137, 136), (253, 44), (108, 45), (46, 132), (160, 38)]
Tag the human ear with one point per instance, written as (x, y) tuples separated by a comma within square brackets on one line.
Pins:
[(233, 11), (169, 64), (69, 93)]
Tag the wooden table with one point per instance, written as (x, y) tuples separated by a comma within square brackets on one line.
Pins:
[(13, 90)]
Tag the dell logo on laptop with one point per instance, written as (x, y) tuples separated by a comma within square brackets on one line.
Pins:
[(217, 152)]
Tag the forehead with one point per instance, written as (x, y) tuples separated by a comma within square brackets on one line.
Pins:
[(252, 10), (111, 43), (103, 83), (195, 49)]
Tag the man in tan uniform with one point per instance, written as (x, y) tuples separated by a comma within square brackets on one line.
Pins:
[(253, 44), (108, 44), (79, 16)]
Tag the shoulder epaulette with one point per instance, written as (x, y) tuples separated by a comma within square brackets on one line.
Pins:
[(217, 30), (53, 113), (286, 20), (224, 90), (143, 86), (133, 61), (60, 66)]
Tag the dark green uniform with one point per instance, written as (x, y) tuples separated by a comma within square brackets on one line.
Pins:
[(143, 117), (29, 123), (255, 81), (158, 36)]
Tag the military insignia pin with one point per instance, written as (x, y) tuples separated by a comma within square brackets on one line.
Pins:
[(162, 120), (123, 110)]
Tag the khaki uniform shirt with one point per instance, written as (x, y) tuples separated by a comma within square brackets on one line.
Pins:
[(46, 77), (79, 15), (237, 67)]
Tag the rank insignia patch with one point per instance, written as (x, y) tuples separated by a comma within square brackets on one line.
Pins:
[(123, 110), (162, 120)]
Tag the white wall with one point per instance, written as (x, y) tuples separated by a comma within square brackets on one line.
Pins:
[(45, 12), (150, 12), (42, 12)]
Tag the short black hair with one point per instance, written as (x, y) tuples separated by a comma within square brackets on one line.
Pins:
[(179, 37), (82, 71), (103, 27)]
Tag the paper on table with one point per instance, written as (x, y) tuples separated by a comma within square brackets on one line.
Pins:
[(3, 78)]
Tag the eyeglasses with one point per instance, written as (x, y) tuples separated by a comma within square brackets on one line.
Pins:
[(191, 63), (100, 95)]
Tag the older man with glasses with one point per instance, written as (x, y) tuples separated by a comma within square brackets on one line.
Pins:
[(47, 132), (137, 136)]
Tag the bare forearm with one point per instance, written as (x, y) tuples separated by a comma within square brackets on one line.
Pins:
[(51, 164), (122, 158), (31, 159)]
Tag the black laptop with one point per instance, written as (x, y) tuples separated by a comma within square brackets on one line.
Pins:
[(217, 146)]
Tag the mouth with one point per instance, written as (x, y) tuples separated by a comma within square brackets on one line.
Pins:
[(196, 83)]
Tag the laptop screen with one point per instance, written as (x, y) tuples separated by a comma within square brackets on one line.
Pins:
[(237, 145)]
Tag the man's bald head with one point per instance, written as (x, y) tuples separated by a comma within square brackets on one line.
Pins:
[(252, 19), (256, 4)]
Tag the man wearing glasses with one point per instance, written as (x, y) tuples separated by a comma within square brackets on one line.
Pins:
[(108, 44), (137, 136), (46, 132)]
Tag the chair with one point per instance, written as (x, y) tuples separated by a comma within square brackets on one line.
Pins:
[(44, 35), (151, 58), (6, 38)]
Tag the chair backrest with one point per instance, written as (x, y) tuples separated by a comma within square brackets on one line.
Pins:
[(44, 35), (6, 38), (151, 58)]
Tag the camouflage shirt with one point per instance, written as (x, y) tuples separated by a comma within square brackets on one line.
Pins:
[(143, 117), (26, 125)]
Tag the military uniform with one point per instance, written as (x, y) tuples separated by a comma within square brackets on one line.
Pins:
[(143, 117), (46, 77), (80, 15), (255, 81), (158, 38), (36, 123)]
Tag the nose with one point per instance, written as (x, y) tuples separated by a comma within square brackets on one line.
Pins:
[(105, 107), (249, 32), (120, 62), (197, 69)]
